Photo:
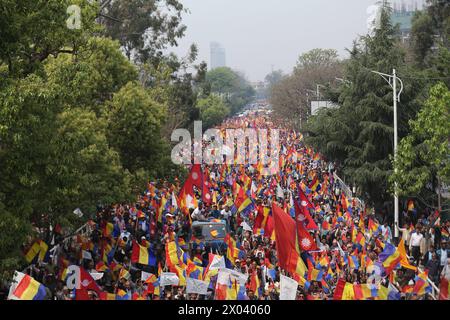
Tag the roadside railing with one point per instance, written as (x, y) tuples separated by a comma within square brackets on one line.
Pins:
[(347, 191), (349, 194)]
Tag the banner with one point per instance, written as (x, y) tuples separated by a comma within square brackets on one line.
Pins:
[(217, 262), (169, 279), (240, 277), (196, 286), (288, 288)]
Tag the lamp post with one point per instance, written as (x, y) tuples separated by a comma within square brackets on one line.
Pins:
[(392, 80), (318, 92)]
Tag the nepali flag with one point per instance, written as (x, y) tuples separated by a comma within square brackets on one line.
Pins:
[(302, 212), (306, 241)]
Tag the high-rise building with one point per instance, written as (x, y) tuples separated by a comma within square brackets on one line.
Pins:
[(402, 13), (217, 56)]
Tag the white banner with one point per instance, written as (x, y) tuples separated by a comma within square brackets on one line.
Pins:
[(217, 262), (168, 279), (240, 277), (196, 286), (246, 227), (288, 288)]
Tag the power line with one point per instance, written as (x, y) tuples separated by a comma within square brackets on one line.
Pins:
[(423, 78), (410, 77)]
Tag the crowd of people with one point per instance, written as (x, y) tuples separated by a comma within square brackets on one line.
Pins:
[(128, 246)]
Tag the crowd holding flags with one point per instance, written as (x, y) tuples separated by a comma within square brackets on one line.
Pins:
[(292, 234)]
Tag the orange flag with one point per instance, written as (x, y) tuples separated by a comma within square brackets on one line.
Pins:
[(404, 259)]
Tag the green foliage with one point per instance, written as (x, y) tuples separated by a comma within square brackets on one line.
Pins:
[(76, 127), (291, 97), (134, 124), (28, 113), (84, 169), (32, 30), (317, 58), (423, 155), (144, 27), (422, 35), (231, 85), (212, 110), (13, 232), (98, 71), (359, 134)]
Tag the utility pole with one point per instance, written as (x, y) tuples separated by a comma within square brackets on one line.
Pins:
[(392, 80)]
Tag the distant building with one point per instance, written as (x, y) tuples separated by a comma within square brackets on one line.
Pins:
[(402, 14), (218, 58)]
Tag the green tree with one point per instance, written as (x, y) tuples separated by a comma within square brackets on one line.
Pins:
[(84, 169), (359, 134), (212, 110), (144, 28), (76, 127), (294, 93), (318, 58), (423, 155), (14, 230), (32, 30), (422, 35), (232, 85), (91, 77), (134, 125), (273, 78)]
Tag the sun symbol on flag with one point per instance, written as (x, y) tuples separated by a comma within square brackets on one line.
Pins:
[(306, 243), (301, 217), (304, 204), (194, 175), (85, 283), (207, 196)]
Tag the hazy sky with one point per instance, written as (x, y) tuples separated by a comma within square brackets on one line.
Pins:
[(257, 34)]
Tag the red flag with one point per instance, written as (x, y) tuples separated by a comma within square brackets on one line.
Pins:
[(445, 285), (284, 235), (86, 283), (206, 193), (194, 179), (268, 229), (339, 289), (259, 218), (305, 240), (302, 212), (195, 176), (58, 228)]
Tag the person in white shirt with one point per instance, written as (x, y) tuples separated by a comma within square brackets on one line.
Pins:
[(414, 245), (443, 254), (226, 213), (405, 233), (446, 271), (198, 213)]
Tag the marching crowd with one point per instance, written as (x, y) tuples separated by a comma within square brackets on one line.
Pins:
[(128, 246)]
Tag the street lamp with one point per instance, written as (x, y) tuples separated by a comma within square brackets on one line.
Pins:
[(392, 80), (318, 92)]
